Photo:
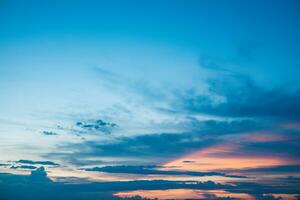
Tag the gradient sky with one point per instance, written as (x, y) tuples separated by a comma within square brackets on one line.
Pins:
[(100, 92)]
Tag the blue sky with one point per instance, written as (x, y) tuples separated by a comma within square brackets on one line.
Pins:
[(147, 90)]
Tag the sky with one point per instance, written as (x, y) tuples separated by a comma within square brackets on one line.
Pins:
[(149, 99)]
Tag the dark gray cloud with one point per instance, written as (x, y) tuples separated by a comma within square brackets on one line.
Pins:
[(151, 170), (37, 162)]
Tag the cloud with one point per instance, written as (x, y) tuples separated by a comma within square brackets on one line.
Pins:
[(188, 161), (276, 169), (98, 125), (267, 197), (37, 186), (3, 164), (158, 146), (143, 147), (39, 175), (49, 133), (37, 162), (23, 167), (150, 170), (238, 96), (284, 149), (257, 189)]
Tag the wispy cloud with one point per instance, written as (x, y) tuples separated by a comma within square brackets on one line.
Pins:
[(240, 96), (37, 162), (152, 170)]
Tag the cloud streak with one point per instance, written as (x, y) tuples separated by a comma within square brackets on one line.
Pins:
[(151, 170), (37, 162), (38, 186)]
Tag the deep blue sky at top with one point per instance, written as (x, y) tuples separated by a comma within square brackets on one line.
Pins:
[(258, 36)]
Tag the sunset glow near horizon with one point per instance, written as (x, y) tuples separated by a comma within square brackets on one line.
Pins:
[(149, 99)]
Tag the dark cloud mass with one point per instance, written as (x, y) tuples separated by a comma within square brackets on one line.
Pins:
[(241, 97), (144, 146), (37, 186), (202, 134)]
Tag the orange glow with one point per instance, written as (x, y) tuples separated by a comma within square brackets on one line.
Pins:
[(263, 137), (182, 194), (225, 156)]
